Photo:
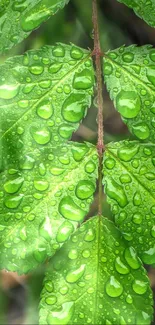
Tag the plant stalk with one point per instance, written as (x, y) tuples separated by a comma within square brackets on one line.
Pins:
[(97, 53)]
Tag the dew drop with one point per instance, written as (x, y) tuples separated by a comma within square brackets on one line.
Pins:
[(120, 266), (49, 286), (70, 210), (59, 51), (90, 167), (76, 53), (79, 151), (45, 110), (139, 287), (116, 192), (129, 299), (128, 152), (128, 103), (131, 258), (40, 254), (141, 131), (83, 79), (27, 163), (137, 199), (12, 186), (84, 189), (51, 300), (109, 163), (42, 136), (113, 287), (73, 254), (149, 256), (74, 108), (55, 67), (62, 316), (36, 69), (41, 185), (128, 57), (151, 74), (45, 229), (33, 18), (90, 235), (107, 68), (8, 91), (65, 131), (137, 218), (13, 202), (64, 231), (76, 274)]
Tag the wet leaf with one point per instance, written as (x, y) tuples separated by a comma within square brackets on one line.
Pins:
[(96, 279), (18, 18), (130, 78), (43, 197), (143, 9), (129, 178)]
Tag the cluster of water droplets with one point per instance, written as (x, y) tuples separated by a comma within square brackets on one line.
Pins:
[(129, 75), (131, 191), (84, 271)]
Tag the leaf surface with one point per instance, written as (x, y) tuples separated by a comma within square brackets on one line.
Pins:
[(19, 18), (43, 197), (143, 9), (130, 79), (96, 279), (43, 97), (129, 178)]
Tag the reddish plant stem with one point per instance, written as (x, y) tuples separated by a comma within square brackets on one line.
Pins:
[(98, 54)]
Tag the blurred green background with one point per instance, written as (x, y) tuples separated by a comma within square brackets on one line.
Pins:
[(19, 296)]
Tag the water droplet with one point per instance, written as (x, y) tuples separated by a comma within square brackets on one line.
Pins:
[(149, 256), (141, 131), (128, 103), (128, 57), (27, 162), (129, 299), (45, 110), (49, 286), (116, 192), (40, 254), (23, 234), (140, 287), (83, 79), (55, 67), (42, 136), (79, 151), (126, 153), (109, 163), (76, 274), (151, 74), (8, 91), (36, 69), (76, 53), (66, 130), (64, 231), (58, 51), (86, 253), (90, 167), (125, 178), (131, 258), (62, 316), (45, 229), (90, 235), (23, 103), (137, 199), (73, 254), (120, 266), (64, 290), (45, 84), (12, 186), (13, 202), (41, 185), (107, 68), (113, 287), (51, 300), (70, 210), (137, 218), (33, 18), (152, 55), (153, 231), (74, 108), (84, 189)]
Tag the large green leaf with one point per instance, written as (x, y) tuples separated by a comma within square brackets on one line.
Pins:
[(43, 196), (43, 97), (143, 9), (96, 279), (130, 79), (129, 178), (18, 18)]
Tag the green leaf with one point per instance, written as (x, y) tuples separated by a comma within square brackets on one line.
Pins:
[(43, 97), (143, 9), (130, 78), (129, 175), (43, 197), (96, 279), (19, 18)]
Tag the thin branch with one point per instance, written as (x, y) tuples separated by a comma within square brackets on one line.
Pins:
[(98, 54)]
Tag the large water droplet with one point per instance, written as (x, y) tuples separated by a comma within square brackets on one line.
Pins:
[(40, 254), (70, 210), (13, 202), (76, 53), (62, 316), (33, 18), (151, 74), (128, 103), (84, 189), (58, 51), (139, 286), (83, 79), (55, 67), (41, 185), (64, 231), (8, 91), (27, 162), (66, 130), (76, 274), (12, 186), (45, 110), (49, 286), (51, 300), (141, 131), (128, 152), (120, 266), (131, 258), (45, 229), (73, 254), (149, 256), (79, 151), (74, 108), (116, 192), (36, 69), (113, 287), (128, 57), (42, 136), (90, 235)]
